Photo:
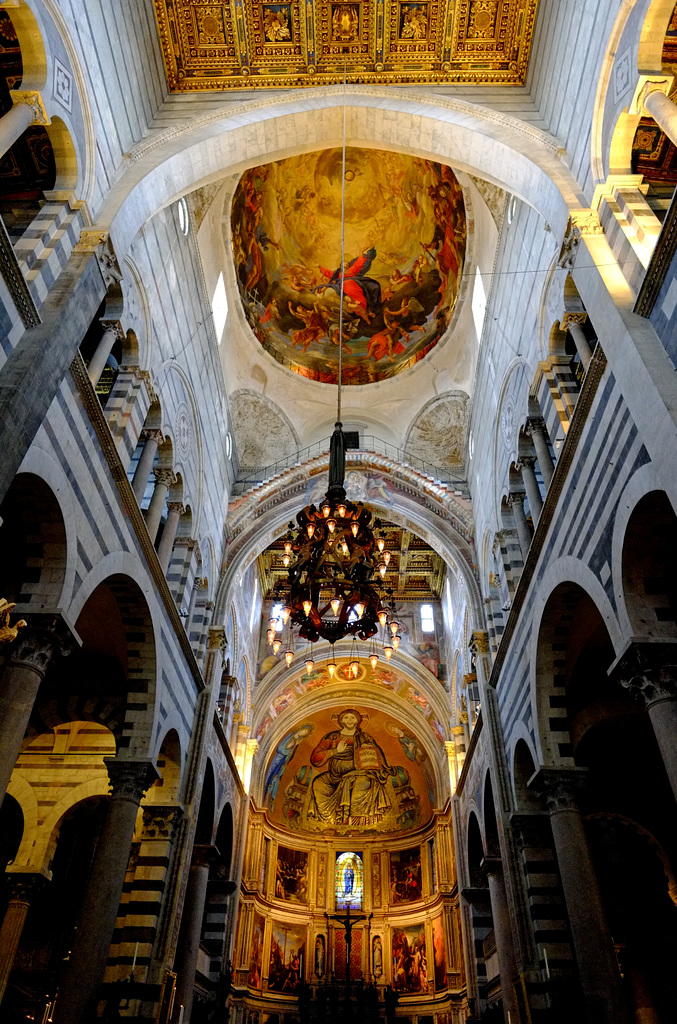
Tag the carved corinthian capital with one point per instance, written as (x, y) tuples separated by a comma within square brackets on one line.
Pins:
[(35, 646), (129, 780), (649, 672), (559, 787), (160, 822)]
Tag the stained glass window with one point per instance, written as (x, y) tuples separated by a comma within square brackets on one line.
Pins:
[(349, 881)]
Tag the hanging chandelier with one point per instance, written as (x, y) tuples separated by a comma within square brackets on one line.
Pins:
[(333, 555)]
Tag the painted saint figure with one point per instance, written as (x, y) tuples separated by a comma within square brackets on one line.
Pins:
[(355, 783), (364, 292), (282, 757)]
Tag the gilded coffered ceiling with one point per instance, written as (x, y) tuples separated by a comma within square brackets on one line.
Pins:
[(253, 43)]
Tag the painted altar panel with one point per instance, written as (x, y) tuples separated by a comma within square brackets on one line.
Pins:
[(410, 971), (405, 875), (291, 875), (405, 237), (287, 956), (440, 952), (349, 774), (256, 959)]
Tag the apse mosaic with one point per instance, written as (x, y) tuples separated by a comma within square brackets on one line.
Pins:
[(351, 773), (405, 235), (410, 966), (264, 44)]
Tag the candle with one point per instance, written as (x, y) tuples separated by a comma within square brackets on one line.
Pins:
[(547, 968), (136, 951), (509, 1021), (181, 1014)]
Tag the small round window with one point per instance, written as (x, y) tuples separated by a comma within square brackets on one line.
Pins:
[(184, 221), (229, 445)]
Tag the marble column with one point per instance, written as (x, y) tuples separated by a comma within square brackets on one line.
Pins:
[(77, 997), (23, 888), (27, 662), (663, 111), (164, 552), (191, 930), (164, 478), (649, 672), (27, 110), (581, 342), (505, 949), (536, 429), (526, 464), (112, 331), (595, 956), (152, 440), (515, 501), (450, 748)]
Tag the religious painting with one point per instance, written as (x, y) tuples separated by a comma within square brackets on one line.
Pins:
[(284, 753), (405, 239), (277, 23), (413, 21), (291, 875), (256, 956), (440, 952), (351, 773), (349, 880), (410, 970), (345, 23), (405, 875), (287, 954)]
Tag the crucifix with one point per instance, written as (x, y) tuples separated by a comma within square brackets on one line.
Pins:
[(348, 923)]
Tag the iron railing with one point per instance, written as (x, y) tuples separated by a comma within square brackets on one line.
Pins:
[(369, 444)]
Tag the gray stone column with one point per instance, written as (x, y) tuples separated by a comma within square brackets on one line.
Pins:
[(27, 110), (191, 931), (77, 997), (164, 478), (112, 331), (581, 342), (152, 440), (649, 672), (595, 956), (526, 465), (536, 429), (166, 545), (505, 949), (27, 661), (23, 889), (523, 533), (663, 111)]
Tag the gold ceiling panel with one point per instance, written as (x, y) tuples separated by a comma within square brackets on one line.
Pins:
[(259, 44), (416, 571)]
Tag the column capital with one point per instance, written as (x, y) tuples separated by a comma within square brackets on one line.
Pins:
[(515, 498), (204, 855), (559, 787), (114, 326), (534, 425), (99, 242), (647, 84), (39, 641), (528, 829), (525, 462), (165, 477), (161, 822), (648, 670), (491, 865), (573, 318), (457, 730), (129, 780), (33, 100), (176, 506), (24, 886), (217, 640), (479, 642), (152, 434)]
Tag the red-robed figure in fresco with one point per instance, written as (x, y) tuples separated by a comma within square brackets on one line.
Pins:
[(363, 293), (355, 784)]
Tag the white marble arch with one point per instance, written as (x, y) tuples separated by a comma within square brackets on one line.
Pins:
[(443, 522), (489, 144)]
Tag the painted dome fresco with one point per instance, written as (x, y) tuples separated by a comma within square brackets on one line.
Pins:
[(405, 234), (352, 771)]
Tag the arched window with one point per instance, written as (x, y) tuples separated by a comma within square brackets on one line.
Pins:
[(349, 880)]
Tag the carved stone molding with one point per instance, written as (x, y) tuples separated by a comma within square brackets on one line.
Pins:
[(36, 645), (559, 787), (98, 242), (161, 822), (129, 780), (649, 672), (581, 222)]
